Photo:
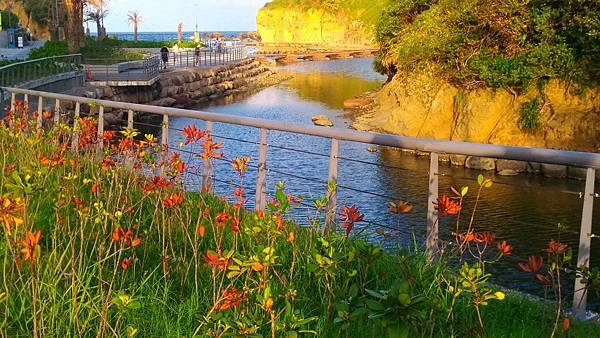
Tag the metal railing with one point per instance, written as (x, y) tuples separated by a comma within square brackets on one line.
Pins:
[(118, 70), (590, 161), (19, 73), (205, 57)]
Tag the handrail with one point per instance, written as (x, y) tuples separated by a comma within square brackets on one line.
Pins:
[(591, 161), (37, 60), (541, 155)]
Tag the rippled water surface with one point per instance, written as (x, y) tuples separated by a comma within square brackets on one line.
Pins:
[(523, 210)]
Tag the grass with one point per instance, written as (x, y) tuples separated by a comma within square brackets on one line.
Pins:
[(124, 254)]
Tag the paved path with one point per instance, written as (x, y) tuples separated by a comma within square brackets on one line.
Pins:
[(20, 53)]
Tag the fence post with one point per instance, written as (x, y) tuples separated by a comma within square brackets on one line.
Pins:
[(57, 113), (164, 140), (40, 112), (100, 128), (432, 213), (585, 236), (330, 219), (208, 169), (26, 103), (13, 102), (75, 140), (130, 119), (261, 181)]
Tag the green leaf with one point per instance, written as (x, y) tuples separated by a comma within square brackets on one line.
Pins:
[(374, 305), (480, 179), (353, 292), (374, 293), (398, 331)]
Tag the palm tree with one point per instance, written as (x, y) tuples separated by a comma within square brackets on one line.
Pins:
[(97, 15), (135, 19)]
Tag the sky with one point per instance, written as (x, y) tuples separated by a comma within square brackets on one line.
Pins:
[(164, 15)]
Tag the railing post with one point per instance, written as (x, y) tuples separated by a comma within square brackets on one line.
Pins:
[(330, 219), (13, 102), (75, 139), (130, 119), (57, 113), (40, 112), (585, 236), (100, 128), (261, 181), (26, 104), (207, 183), (164, 140), (432, 213)]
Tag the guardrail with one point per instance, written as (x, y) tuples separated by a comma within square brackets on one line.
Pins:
[(591, 161), (205, 57), (18, 73), (117, 70)]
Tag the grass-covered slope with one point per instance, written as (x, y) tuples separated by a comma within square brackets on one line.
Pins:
[(496, 43), (89, 247)]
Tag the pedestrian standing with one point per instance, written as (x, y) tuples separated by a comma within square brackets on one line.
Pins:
[(197, 56), (164, 54)]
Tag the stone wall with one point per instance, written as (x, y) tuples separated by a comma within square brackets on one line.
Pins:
[(185, 88)]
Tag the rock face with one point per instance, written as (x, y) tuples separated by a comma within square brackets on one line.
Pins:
[(38, 30), (422, 105), (281, 24)]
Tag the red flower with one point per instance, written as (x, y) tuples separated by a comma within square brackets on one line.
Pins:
[(543, 279), (466, 237), (215, 260), (107, 162), (446, 206), (534, 265), (351, 215), (173, 201), (221, 219), (30, 246), (505, 248), (77, 201), (230, 298), (235, 224), (126, 263), (119, 234), (566, 324), (486, 238), (555, 247), (210, 148), (202, 231), (192, 134)]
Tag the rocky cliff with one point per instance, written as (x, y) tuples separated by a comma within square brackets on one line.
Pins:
[(421, 104), (38, 30), (347, 24)]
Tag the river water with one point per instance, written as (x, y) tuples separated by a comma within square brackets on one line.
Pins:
[(524, 210)]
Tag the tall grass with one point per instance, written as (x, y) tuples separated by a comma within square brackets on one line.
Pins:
[(92, 247)]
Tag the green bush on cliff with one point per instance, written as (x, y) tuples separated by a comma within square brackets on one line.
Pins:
[(498, 43)]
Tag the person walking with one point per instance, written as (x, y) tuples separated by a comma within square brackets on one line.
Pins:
[(197, 56), (164, 54)]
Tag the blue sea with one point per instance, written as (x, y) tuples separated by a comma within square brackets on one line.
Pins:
[(166, 36)]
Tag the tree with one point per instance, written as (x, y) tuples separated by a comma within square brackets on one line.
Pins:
[(74, 27), (135, 19), (97, 16)]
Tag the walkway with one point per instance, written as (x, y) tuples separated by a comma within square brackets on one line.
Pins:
[(20, 53)]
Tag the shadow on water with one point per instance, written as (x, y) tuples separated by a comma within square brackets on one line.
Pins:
[(523, 210)]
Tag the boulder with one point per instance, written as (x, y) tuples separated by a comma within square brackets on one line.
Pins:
[(444, 158), (322, 121), (510, 167), (480, 163), (458, 160), (554, 170)]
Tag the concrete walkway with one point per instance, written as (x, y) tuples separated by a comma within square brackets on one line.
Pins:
[(20, 53)]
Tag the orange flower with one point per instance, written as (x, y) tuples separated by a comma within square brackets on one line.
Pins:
[(466, 237), (210, 148), (351, 215), (240, 164), (192, 134), (126, 237), (543, 279), (173, 201), (486, 238), (31, 248), (235, 224), (400, 208), (202, 231), (10, 210), (555, 247), (221, 220), (446, 206), (77, 201), (505, 248), (107, 162), (215, 260), (291, 237), (231, 297), (156, 183), (47, 115), (94, 187)]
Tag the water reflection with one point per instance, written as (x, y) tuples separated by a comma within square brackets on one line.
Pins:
[(523, 210)]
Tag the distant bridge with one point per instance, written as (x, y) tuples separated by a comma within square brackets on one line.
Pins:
[(319, 55)]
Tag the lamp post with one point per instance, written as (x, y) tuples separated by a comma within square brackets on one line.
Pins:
[(196, 34)]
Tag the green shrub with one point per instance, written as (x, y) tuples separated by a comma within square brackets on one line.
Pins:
[(498, 43), (530, 114), (50, 48)]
